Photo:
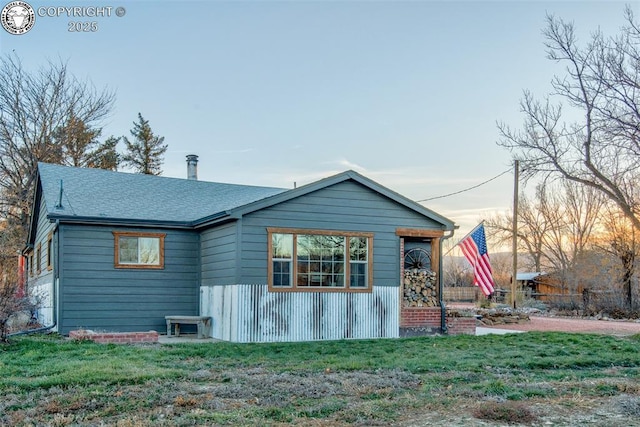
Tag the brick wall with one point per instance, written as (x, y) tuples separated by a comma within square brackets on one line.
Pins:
[(419, 317), (429, 318), (461, 325), (115, 337)]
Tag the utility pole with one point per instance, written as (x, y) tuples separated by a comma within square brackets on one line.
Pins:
[(514, 240)]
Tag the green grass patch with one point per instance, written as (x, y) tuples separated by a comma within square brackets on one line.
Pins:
[(364, 381)]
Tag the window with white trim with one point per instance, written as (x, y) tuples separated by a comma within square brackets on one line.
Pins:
[(312, 260)]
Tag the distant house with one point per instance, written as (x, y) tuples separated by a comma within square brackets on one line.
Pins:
[(528, 282), (116, 251), (547, 286)]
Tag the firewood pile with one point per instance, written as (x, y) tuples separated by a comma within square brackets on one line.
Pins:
[(420, 288)]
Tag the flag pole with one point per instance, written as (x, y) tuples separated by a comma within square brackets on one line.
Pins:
[(514, 239), (465, 236)]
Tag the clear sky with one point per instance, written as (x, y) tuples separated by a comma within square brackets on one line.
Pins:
[(407, 93)]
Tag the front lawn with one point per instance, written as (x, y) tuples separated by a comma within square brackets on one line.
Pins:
[(526, 378)]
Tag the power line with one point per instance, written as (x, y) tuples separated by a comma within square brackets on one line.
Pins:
[(467, 189)]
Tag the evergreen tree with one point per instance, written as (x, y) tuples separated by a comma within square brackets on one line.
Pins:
[(105, 155), (145, 153), (76, 144)]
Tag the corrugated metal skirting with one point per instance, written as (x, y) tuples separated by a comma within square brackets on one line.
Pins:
[(249, 313)]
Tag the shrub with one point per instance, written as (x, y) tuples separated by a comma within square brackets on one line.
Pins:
[(508, 412), (12, 302)]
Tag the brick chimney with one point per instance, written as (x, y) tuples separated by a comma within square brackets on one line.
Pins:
[(192, 167)]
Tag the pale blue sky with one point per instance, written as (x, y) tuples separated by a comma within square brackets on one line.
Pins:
[(274, 92)]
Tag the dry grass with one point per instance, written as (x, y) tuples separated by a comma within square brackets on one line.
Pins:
[(507, 412), (457, 381)]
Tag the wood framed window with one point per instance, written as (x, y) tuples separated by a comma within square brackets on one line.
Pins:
[(50, 251), (139, 250), (31, 264), (38, 258), (319, 260)]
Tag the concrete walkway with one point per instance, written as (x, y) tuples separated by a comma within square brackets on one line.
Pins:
[(185, 339), (495, 331)]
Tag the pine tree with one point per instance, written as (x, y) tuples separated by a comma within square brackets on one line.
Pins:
[(76, 144), (145, 153), (105, 155)]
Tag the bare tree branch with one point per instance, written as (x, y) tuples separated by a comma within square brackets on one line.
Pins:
[(601, 85)]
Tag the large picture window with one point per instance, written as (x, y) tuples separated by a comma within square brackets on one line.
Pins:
[(139, 250), (312, 260)]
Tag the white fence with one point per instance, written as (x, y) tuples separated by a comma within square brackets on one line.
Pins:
[(250, 313), (42, 296)]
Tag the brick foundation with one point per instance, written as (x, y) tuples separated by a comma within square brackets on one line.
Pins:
[(427, 319), (461, 325), (115, 337), (420, 317)]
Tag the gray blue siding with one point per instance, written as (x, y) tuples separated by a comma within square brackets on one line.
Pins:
[(43, 230), (96, 295), (218, 248), (347, 206)]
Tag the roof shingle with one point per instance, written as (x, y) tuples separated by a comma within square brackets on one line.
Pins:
[(97, 193)]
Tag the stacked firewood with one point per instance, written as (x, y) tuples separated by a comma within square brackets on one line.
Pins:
[(420, 288)]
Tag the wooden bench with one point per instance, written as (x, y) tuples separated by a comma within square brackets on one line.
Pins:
[(203, 322)]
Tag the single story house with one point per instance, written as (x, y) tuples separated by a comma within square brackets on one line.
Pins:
[(112, 251)]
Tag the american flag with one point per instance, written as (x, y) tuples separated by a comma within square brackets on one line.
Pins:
[(474, 248)]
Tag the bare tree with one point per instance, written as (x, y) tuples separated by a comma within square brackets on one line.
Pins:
[(601, 84), (532, 227), (32, 106), (554, 228), (457, 272), (618, 238), (12, 302)]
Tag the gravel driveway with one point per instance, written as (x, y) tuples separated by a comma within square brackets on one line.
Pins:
[(563, 324)]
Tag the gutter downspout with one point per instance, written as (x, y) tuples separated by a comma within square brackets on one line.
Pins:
[(54, 297), (443, 311)]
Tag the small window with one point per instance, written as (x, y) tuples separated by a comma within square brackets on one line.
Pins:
[(282, 258), (39, 258), (50, 251), (359, 261), (139, 250), (318, 260)]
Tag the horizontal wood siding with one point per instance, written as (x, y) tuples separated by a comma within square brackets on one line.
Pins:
[(44, 228), (347, 206), (218, 248), (250, 313), (96, 295)]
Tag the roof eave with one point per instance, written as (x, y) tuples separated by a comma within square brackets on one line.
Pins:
[(132, 222), (211, 219), (35, 212)]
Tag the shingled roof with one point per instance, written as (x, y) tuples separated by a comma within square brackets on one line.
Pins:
[(104, 197), (117, 196)]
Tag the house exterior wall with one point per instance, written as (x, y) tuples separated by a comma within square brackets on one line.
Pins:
[(347, 206), (95, 295), (218, 248), (40, 285)]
